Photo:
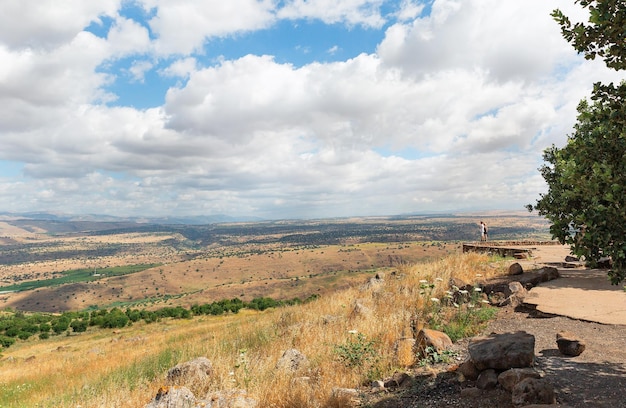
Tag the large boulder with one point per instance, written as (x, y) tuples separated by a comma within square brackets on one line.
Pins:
[(193, 374), (503, 351)]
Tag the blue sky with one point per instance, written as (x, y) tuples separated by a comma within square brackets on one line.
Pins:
[(283, 109)]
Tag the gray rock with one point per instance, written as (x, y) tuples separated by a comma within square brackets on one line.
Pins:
[(533, 391), (292, 360), (510, 378), (192, 373), (229, 399), (487, 380), (173, 397), (503, 351), (397, 380)]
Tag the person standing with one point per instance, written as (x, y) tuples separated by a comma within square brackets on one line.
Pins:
[(483, 231)]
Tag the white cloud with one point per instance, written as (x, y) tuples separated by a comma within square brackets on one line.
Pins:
[(138, 70), (461, 102), (182, 26), (512, 40), (351, 12), (46, 24), (409, 10), (182, 68)]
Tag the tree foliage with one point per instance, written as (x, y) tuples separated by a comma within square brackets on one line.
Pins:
[(586, 199), (604, 36)]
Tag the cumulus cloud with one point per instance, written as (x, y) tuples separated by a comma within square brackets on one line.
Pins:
[(452, 110), (182, 26), (46, 24), (351, 12)]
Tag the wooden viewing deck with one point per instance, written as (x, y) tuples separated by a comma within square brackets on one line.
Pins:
[(514, 249)]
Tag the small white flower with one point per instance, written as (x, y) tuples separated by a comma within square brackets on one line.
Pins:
[(455, 304), (478, 275), (439, 279), (435, 300), (464, 292), (485, 301), (470, 305), (353, 331), (231, 373), (423, 281), (478, 290)]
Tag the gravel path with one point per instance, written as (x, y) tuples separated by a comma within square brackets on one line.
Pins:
[(596, 378)]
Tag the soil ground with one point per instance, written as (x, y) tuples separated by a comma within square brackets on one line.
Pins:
[(596, 378)]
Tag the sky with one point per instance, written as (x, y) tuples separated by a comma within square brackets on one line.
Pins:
[(283, 109)]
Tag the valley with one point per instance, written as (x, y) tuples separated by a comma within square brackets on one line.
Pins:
[(182, 265)]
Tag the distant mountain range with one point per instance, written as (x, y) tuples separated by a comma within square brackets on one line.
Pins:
[(185, 220)]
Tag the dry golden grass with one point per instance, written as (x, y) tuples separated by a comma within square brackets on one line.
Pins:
[(283, 273), (125, 368)]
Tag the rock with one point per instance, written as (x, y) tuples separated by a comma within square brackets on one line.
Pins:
[(533, 391), (570, 258), (503, 351), (547, 273), (487, 380), (433, 338), (344, 397), (459, 284), (292, 360), (173, 397), (378, 385), (468, 370), (360, 310), (375, 283), (569, 344), (397, 380), (516, 269), (191, 373), (518, 293), (229, 399), (510, 378)]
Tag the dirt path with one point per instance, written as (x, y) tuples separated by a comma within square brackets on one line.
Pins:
[(596, 378)]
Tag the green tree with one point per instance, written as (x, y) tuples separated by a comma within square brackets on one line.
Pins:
[(586, 199), (603, 36)]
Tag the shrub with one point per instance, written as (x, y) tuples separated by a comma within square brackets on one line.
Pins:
[(6, 341)]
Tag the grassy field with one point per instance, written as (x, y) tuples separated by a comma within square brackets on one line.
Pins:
[(202, 264), (76, 276), (350, 337)]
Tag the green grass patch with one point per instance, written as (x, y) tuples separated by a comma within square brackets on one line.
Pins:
[(467, 323), (78, 275)]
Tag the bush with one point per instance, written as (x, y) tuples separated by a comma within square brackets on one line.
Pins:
[(79, 326), (6, 341)]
